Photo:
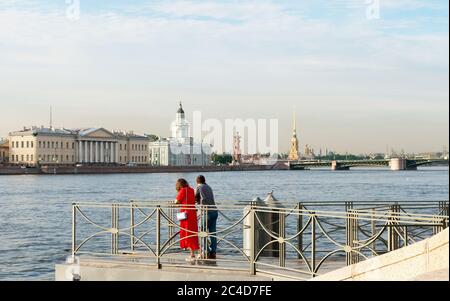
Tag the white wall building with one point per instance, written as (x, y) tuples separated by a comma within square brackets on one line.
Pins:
[(180, 149)]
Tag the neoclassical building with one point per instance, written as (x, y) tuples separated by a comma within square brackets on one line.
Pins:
[(4, 151), (39, 145), (180, 149)]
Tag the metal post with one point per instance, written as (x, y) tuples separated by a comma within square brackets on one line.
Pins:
[(74, 229), (132, 225), (405, 233), (205, 248), (393, 238), (313, 244), (374, 230), (252, 240), (158, 237), (115, 229), (282, 243), (349, 237), (113, 226), (356, 257), (299, 228)]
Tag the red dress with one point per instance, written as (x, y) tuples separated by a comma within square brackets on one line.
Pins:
[(189, 231)]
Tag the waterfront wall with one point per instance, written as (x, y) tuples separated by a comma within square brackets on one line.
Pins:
[(50, 170), (426, 260)]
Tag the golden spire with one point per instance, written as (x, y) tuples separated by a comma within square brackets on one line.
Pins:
[(294, 152), (295, 122)]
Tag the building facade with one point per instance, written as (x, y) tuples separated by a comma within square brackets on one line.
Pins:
[(180, 149), (44, 146), (4, 151)]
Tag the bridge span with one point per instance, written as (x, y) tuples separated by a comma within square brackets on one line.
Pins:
[(395, 164)]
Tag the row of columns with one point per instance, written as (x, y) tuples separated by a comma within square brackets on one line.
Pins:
[(97, 152)]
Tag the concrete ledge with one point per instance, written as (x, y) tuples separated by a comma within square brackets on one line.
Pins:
[(102, 271), (425, 260)]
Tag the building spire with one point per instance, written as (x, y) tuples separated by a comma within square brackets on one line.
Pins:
[(180, 109), (51, 117), (294, 154), (295, 122)]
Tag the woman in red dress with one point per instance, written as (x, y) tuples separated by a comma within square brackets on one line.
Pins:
[(189, 226)]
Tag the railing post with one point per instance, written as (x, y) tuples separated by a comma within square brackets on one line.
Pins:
[(356, 256), (252, 240), (114, 229), (132, 225), (204, 223), (374, 230), (74, 229), (393, 237), (158, 237), (282, 243), (349, 237), (313, 244), (405, 233), (299, 228)]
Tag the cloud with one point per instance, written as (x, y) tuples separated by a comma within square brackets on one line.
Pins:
[(324, 55)]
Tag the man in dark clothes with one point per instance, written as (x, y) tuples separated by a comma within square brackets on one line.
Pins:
[(204, 196)]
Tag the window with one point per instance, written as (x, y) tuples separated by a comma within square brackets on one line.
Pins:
[(22, 157), (120, 159), (67, 158), (28, 144), (17, 144), (125, 149), (31, 158), (73, 146), (12, 158), (22, 144), (72, 158), (56, 144), (40, 144)]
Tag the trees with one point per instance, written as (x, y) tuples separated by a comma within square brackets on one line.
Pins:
[(223, 159)]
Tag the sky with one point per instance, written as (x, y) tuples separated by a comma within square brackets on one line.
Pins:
[(359, 78)]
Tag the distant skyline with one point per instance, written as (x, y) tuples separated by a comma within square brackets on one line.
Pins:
[(358, 83)]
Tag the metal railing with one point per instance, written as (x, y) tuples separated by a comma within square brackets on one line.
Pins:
[(297, 243)]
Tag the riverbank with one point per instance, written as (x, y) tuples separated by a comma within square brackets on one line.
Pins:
[(70, 170)]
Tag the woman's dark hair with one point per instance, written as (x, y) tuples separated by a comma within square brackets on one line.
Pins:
[(181, 183), (201, 179)]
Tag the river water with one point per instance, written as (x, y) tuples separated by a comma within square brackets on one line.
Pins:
[(35, 211)]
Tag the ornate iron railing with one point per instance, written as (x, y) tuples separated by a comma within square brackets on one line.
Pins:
[(298, 243)]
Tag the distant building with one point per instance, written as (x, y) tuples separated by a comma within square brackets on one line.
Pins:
[(4, 151), (309, 153), (40, 145), (294, 154), (180, 149)]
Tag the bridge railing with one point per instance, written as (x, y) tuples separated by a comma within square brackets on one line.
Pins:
[(297, 243)]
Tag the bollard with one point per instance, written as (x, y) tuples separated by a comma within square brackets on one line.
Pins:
[(274, 222), (251, 230)]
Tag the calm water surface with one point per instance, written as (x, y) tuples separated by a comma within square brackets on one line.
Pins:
[(35, 212)]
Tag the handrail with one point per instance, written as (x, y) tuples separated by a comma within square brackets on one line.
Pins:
[(254, 234)]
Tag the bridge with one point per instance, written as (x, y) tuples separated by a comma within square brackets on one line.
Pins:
[(394, 164)]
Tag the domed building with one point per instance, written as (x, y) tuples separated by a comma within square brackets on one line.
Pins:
[(180, 149)]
